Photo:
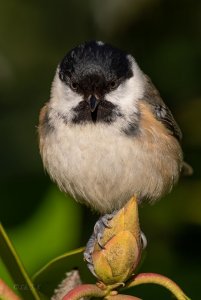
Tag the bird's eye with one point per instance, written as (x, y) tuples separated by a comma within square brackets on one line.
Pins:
[(74, 85), (113, 84)]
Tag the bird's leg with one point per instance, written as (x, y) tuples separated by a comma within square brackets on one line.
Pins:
[(101, 224)]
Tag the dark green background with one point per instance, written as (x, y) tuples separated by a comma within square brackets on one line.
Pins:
[(165, 38)]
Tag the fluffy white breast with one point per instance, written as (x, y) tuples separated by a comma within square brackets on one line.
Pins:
[(103, 168)]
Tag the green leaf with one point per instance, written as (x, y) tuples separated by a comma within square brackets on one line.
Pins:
[(48, 278), (16, 269)]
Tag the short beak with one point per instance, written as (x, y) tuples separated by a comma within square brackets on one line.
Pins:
[(93, 103)]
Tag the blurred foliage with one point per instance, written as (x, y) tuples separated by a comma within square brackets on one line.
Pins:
[(165, 38), (53, 273)]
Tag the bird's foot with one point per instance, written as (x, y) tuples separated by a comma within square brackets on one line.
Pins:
[(96, 237), (88, 253), (101, 224)]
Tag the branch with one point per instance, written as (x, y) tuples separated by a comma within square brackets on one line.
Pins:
[(84, 290), (160, 280)]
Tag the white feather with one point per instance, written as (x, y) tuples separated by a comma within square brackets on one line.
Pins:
[(99, 43), (103, 168), (127, 95)]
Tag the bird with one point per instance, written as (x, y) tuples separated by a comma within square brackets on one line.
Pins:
[(106, 134)]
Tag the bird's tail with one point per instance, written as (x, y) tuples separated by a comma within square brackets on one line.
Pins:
[(186, 170)]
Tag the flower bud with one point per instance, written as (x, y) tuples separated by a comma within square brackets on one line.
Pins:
[(121, 242)]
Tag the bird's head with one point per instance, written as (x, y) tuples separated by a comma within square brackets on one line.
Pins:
[(96, 82)]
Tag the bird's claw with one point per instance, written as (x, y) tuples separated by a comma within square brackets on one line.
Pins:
[(96, 237)]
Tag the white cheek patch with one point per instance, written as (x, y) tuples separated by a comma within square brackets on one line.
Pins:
[(63, 99), (129, 92)]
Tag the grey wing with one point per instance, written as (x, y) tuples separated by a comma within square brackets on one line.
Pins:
[(160, 109), (164, 115)]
